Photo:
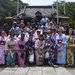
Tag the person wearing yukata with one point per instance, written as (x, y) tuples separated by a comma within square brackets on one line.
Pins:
[(10, 51), (36, 35), (70, 51), (21, 50), (30, 51), (61, 43), (2, 47), (49, 53), (39, 51), (53, 36)]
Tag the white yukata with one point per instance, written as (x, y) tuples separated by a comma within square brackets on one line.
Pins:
[(10, 45)]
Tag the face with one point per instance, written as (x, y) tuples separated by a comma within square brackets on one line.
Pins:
[(54, 31), (41, 37), (50, 34), (11, 37), (30, 37), (3, 33), (31, 28), (38, 32), (48, 48), (60, 32), (28, 23), (22, 36), (70, 32), (15, 24)]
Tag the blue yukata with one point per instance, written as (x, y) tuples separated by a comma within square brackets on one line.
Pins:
[(61, 52), (51, 46)]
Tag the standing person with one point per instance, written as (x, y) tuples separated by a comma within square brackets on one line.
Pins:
[(6, 28), (20, 48), (54, 34), (70, 51), (2, 47), (15, 28), (34, 22), (61, 43), (44, 20), (49, 53), (10, 51)]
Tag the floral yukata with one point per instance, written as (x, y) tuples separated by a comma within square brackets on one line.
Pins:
[(49, 52), (20, 48), (2, 49), (39, 45)]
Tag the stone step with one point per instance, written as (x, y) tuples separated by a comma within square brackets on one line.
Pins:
[(35, 71), (62, 71)]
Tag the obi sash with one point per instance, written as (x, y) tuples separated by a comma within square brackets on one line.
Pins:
[(11, 46), (59, 41), (2, 42), (21, 46)]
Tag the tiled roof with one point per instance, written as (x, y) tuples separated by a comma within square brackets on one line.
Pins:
[(31, 10)]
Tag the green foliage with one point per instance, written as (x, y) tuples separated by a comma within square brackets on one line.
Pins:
[(70, 11), (70, 8), (8, 6), (72, 23)]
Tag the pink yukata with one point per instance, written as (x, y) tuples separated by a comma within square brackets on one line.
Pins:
[(2, 49), (17, 48)]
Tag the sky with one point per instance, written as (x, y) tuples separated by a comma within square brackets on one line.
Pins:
[(42, 2)]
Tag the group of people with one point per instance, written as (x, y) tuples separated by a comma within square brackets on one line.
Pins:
[(36, 43)]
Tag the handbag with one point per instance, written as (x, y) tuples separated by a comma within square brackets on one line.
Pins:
[(9, 59), (31, 58), (59, 53), (47, 55), (22, 55), (41, 58)]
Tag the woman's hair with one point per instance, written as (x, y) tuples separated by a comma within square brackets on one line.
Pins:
[(11, 35), (42, 37)]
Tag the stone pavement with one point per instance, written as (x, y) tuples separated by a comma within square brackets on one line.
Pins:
[(36, 71)]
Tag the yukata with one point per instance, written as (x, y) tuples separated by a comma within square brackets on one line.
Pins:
[(2, 49), (26, 36), (10, 58), (70, 51), (39, 51), (55, 50), (30, 47), (35, 36), (20, 49), (51, 46), (61, 52)]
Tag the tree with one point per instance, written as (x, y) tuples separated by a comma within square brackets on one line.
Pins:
[(8, 6), (70, 9)]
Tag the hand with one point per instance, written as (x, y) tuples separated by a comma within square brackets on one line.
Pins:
[(22, 51), (7, 51), (12, 50), (59, 46)]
